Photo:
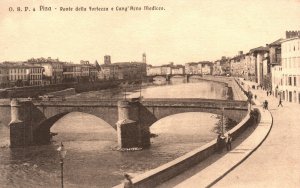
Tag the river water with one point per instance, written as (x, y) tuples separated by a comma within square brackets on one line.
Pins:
[(92, 160)]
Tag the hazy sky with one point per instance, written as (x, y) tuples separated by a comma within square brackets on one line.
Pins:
[(187, 30)]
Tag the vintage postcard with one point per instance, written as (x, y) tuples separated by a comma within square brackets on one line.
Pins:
[(149, 93)]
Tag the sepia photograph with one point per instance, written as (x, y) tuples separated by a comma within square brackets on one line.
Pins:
[(149, 93)]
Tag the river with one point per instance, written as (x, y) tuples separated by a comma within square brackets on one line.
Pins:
[(92, 159)]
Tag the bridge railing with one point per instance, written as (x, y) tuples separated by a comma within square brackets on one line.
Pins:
[(204, 103)]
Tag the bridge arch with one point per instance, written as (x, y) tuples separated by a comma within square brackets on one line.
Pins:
[(153, 113), (42, 134), (186, 118)]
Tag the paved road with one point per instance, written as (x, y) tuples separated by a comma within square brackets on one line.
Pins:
[(276, 163)]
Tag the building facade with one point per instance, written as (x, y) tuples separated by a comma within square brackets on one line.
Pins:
[(123, 70), (35, 74), (93, 73), (166, 69), (4, 76), (193, 68), (286, 78), (177, 69), (53, 69), (258, 56), (20, 74), (68, 72), (153, 70)]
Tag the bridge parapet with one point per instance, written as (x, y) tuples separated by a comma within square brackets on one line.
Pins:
[(78, 103), (194, 102)]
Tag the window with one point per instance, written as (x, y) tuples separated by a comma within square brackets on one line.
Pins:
[(295, 81), (290, 81)]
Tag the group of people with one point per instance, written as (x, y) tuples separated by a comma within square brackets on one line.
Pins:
[(224, 140), (265, 103)]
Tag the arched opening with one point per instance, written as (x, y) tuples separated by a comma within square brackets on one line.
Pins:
[(187, 131), (74, 126), (177, 79), (195, 78), (82, 127), (159, 80), (183, 132)]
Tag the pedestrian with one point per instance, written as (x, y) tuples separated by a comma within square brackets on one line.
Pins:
[(228, 142), (280, 102), (220, 143), (266, 104), (267, 93), (127, 182), (255, 97)]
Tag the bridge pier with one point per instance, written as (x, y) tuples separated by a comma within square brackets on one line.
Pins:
[(129, 130), (168, 77), (187, 78), (20, 125)]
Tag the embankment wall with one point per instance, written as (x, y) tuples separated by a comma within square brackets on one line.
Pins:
[(169, 170)]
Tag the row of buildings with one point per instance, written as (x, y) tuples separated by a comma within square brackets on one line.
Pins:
[(195, 68), (275, 66), (122, 70), (46, 71)]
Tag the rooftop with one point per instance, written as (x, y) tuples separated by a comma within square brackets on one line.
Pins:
[(259, 49), (17, 65), (276, 42), (289, 39)]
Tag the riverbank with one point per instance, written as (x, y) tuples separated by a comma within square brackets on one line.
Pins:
[(35, 91)]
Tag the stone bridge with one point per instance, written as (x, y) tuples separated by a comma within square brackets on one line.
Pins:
[(169, 76), (30, 121)]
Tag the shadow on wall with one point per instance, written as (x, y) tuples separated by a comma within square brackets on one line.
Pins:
[(42, 134), (145, 123)]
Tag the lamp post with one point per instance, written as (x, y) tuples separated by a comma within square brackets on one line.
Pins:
[(141, 77), (222, 121), (62, 154), (140, 91)]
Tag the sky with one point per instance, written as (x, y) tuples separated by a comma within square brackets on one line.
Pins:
[(185, 31)]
